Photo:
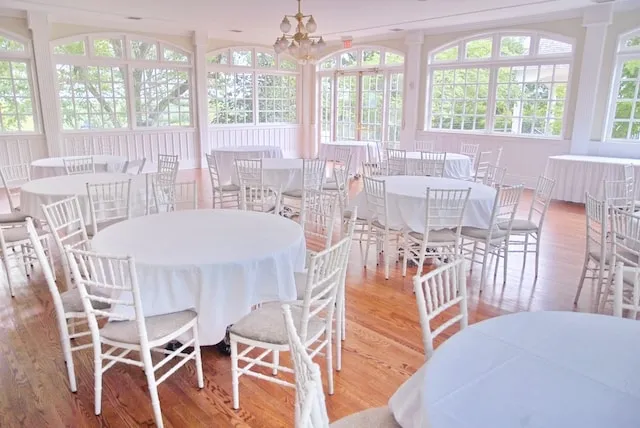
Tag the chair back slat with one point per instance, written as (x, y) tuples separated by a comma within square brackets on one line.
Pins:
[(597, 224), (109, 201), (626, 291), (13, 177), (625, 237), (168, 166), (175, 196), (313, 174), (318, 217), (541, 200), (432, 164), (507, 200), (79, 165), (471, 150), (254, 195), (424, 146), (396, 162), (494, 176), (214, 171), (376, 196)]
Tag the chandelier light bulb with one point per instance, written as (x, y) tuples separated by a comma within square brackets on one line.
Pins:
[(285, 25), (321, 43), (311, 25), (305, 43), (296, 39), (283, 43)]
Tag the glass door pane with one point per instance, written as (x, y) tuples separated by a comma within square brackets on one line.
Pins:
[(394, 111), (347, 100), (326, 107), (372, 102)]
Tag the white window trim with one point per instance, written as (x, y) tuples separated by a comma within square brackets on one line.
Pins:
[(359, 67), (623, 54), (493, 64), (254, 69), (89, 59)]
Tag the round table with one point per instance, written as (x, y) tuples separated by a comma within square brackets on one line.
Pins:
[(217, 262), (284, 174), (530, 369), (359, 152), (52, 167), (406, 200), (226, 155), (52, 189), (456, 165)]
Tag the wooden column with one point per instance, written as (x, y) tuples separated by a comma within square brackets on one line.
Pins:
[(201, 98)]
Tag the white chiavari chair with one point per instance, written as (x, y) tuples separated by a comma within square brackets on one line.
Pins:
[(83, 165), (377, 227), (313, 177), (626, 291), (444, 213), (318, 217), (424, 146), (481, 164), (436, 293), (528, 231), (431, 164), (109, 203), (264, 328), (254, 194), (175, 196), (342, 157), (134, 167), (619, 193), (13, 177), (222, 193), (105, 279), (396, 162), (340, 186), (310, 408), (370, 169), (168, 166), (470, 150), (495, 239), (494, 176), (67, 305)]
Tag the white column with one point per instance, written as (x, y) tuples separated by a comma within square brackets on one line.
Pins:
[(412, 66), (201, 116), (308, 144), (46, 79), (596, 20)]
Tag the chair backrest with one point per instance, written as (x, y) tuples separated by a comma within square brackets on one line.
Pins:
[(109, 201), (175, 196), (168, 166), (13, 177), (310, 407), (618, 193), (134, 167), (626, 291), (432, 164), (254, 195), (83, 165), (66, 223), (214, 171), (505, 206), (625, 237), (396, 162), (445, 208), (381, 155), (376, 195), (541, 200), (342, 155), (424, 146), (313, 173), (498, 158), (470, 150), (374, 169), (597, 224), (437, 292), (481, 162), (494, 176), (317, 217)]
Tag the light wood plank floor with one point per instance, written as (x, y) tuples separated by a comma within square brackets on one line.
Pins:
[(383, 346)]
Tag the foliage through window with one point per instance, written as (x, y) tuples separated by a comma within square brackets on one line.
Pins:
[(624, 116), (520, 89), (16, 93)]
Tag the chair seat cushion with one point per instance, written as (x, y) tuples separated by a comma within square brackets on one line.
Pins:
[(297, 193), (520, 225), (443, 235), (626, 254), (478, 233), (158, 326), (17, 234), (347, 215), (91, 230), (380, 417), (228, 188), (72, 302), (14, 217), (266, 324)]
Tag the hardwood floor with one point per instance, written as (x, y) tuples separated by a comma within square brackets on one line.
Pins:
[(383, 346)]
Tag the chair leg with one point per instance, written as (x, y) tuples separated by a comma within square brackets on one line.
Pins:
[(276, 362), (7, 269), (339, 330), (405, 253), (153, 387), (505, 261), (97, 368), (582, 278), (366, 251), (484, 264), (386, 256), (599, 284), (537, 254), (196, 346), (329, 359), (234, 374), (473, 255), (68, 357)]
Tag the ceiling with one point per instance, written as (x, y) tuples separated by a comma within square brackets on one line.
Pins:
[(259, 19)]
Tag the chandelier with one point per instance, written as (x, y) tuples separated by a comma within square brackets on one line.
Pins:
[(301, 45)]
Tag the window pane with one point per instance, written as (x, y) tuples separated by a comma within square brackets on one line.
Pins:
[(16, 106), (230, 98), (348, 59), (370, 57), (221, 58), (73, 48), (144, 50), (328, 64), (277, 98), (626, 114), (174, 55), (162, 97), (478, 49), (11, 45), (266, 60), (287, 64), (450, 54), (326, 107), (632, 42), (111, 48), (391, 58), (243, 58), (396, 87), (514, 46), (553, 47)]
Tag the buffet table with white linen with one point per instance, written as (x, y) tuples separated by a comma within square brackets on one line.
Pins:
[(52, 167), (456, 165), (406, 201), (217, 262), (52, 189), (575, 175), (226, 155), (283, 174), (530, 369), (359, 152)]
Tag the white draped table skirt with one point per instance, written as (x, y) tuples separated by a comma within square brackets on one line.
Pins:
[(52, 167), (456, 165), (282, 174), (359, 150)]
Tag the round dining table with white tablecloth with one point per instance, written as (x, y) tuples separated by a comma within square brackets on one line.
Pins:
[(226, 155), (217, 262), (530, 369), (52, 167), (456, 165), (46, 191), (360, 151), (406, 201), (283, 174)]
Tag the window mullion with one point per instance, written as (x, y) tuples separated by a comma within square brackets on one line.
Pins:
[(491, 101), (131, 103), (255, 97)]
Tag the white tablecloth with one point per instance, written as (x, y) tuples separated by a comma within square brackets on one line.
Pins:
[(359, 152), (52, 167), (456, 165), (226, 155), (49, 190), (285, 174), (406, 197), (576, 175), (218, 262), (533, 370)]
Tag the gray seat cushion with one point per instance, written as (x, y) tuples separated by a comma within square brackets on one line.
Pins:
[(520, 225), (72, 302), (626, 254), (14, 217), (380, 417), (266, 324), (443, 235), (158, 327), (347, 214), (229, 188), (297, 193), (91, 230), (477, 233), (377, 224)]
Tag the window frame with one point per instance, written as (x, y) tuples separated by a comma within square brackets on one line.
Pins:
[(494, 63), (26, 57), (129, 63), (622, 55), (254, 70)]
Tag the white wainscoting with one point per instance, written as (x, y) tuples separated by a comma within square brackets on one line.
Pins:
[(137, 144), (524, 158), (287, 137), (22, 149)]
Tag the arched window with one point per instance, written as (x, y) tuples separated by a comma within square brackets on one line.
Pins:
[(117, 81), (504, 83), (624, 110), (360, 95), (252, 86), (17, 101)]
